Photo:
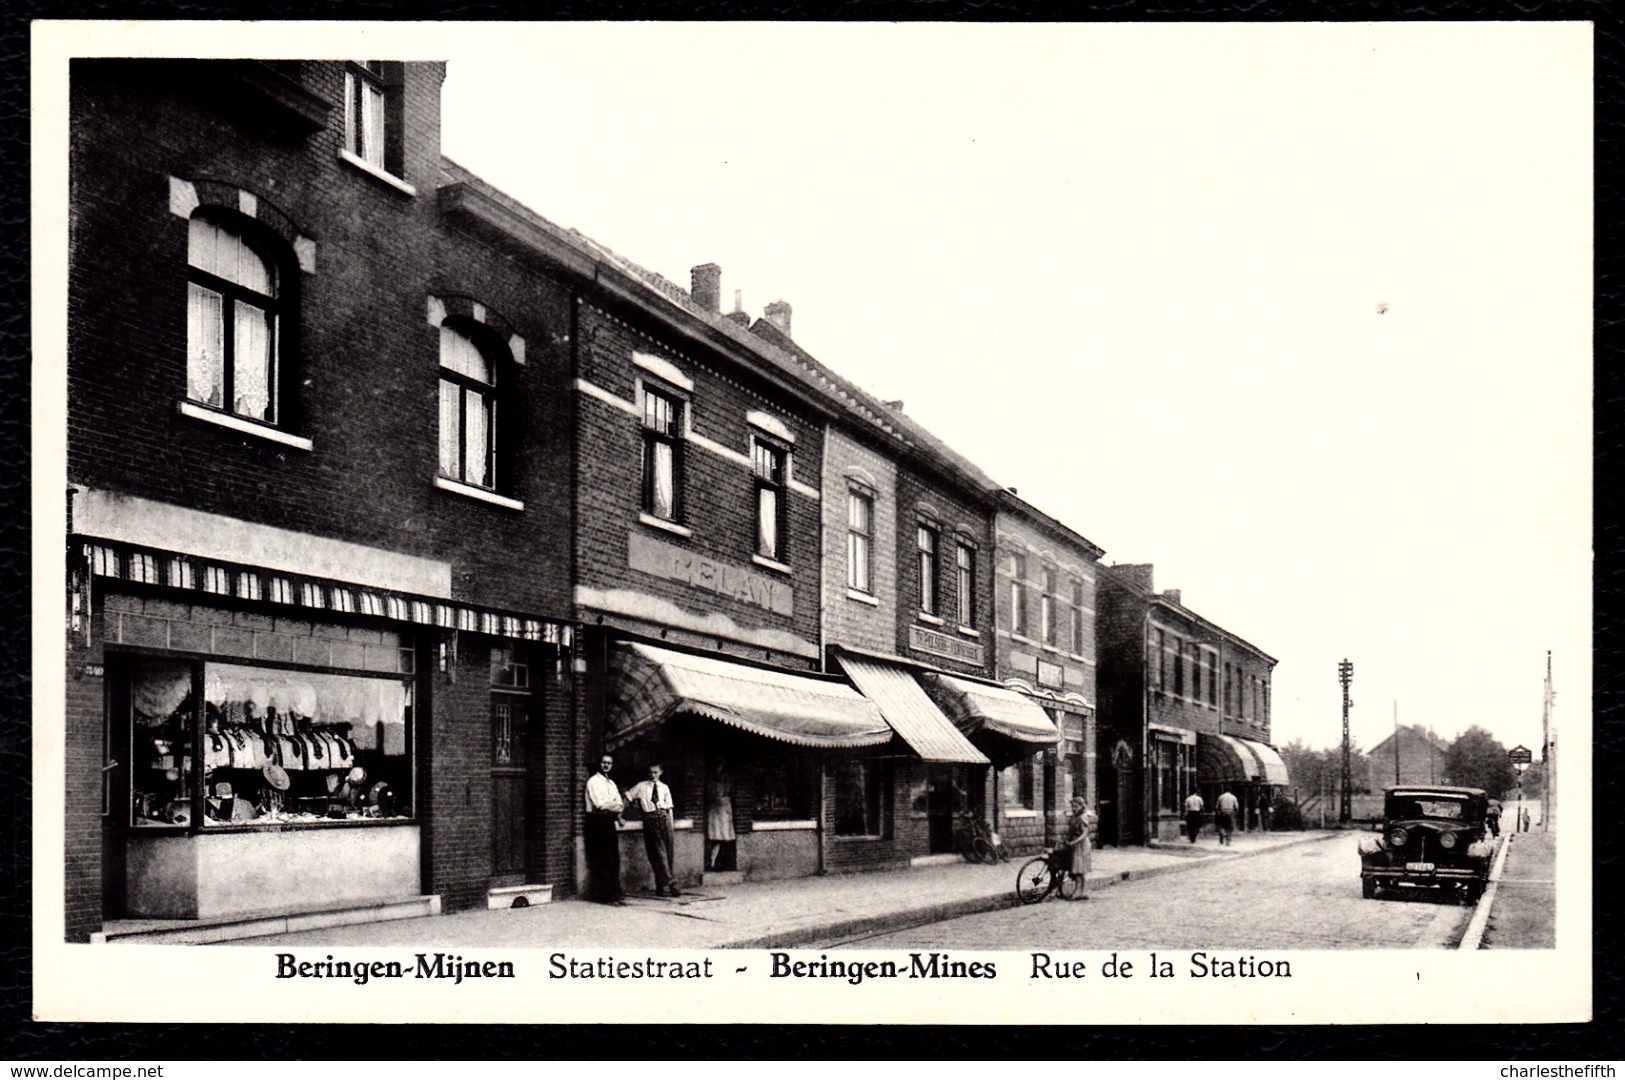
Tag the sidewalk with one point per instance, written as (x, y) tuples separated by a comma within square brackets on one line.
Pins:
[(1523, 911), (772, 914)]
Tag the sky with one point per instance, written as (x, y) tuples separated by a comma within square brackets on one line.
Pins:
[(1298, 314)]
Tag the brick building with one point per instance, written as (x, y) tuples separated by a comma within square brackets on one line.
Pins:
[(1046, 649), (1411, 755), (319, 594), (1184, 706)]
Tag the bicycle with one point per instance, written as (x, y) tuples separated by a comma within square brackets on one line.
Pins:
[(979, 843), (1044, 874)]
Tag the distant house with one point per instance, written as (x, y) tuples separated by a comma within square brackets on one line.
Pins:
[(1421, 758)]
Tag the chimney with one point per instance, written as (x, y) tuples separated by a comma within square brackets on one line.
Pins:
[(738, 315), (705, 286), (778, 313), (1138, 574), (1172, 595)]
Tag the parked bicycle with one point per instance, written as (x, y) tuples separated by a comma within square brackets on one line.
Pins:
[(977, 842), (1047, 873)]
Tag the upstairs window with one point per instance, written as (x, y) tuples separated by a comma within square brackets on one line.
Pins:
[(468, 409), (373, 115), (965, 582), (1018, 595), (860, 527), (925, 546), (1077, 616), (233, 314), (662, 455), (1046, 605), (768, 462)]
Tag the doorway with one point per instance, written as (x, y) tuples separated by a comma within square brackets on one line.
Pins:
[(510, 783), (948, 790), (115, 786)]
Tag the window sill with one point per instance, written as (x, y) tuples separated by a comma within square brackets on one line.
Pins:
[(1023, 639), (678, 824), (969, 631), (927, 617), (246, 427), (1019, 815), (771, 564), (862, 597), (667, 526), (1079, 657), (378, 174), (782, 826), (470, 491), (857, 839)]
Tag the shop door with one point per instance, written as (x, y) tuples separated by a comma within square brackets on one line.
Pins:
[(115, 787), (946, 796), (510, 781)]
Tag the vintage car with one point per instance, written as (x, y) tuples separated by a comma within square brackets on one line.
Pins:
[(1430, 836)]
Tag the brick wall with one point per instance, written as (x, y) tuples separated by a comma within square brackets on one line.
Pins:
[(892, 851), (848, 621), (454, 767), (85, 702), (718, 490), (929, 499)]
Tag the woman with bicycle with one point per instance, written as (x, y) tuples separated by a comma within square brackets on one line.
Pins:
[(1075, 856)]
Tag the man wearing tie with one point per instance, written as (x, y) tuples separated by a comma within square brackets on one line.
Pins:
[(654, 799)]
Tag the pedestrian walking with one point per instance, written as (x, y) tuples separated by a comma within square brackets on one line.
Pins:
[(1224, 818), (1264, 810), (601, 835), (1492, 817), (653, 800), (1193, 815)]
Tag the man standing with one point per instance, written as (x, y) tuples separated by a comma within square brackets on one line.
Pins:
[(602, 841), (1224, 821), (654, 799), (1193, 815)]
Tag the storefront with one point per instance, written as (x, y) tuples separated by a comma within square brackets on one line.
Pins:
[(1171, 777), (788, 763), (263, 732), (945, 775), (1251, 770)]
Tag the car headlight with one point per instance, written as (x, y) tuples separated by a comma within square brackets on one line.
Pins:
[(1447, 841), (1396, 837)]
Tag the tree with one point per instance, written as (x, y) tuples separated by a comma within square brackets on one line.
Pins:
[(1477, 759)]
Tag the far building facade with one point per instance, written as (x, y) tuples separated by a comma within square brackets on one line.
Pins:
[(1185, 706), (1411, 755)]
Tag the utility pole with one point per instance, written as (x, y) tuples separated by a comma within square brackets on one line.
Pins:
[(1548, 790), (1345, 675), (1396, 742)]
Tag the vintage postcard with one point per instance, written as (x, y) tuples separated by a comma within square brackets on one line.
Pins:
[(849, 523)]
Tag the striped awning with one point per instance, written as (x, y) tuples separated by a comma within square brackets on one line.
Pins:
[(912, 714), (1002, 723), (1230, 759), (191, 573), (649, 686)]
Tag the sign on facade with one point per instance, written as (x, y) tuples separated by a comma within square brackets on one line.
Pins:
[(929, 641), (650, 556)]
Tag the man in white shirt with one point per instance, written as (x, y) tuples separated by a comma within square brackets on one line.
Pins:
[(600, 836), (1225, 810), (1193, 815), (653, 798)]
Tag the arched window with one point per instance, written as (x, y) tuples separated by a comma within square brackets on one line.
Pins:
[(468, 407), (233, 311)]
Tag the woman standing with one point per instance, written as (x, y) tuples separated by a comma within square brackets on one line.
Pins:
[(719, 815), (1078, 841)]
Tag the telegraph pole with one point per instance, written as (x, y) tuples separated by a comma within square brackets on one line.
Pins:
[(1396, 742), (1548, 788), (1345, 675)]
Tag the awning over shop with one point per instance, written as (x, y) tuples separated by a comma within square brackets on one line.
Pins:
[(194, 574), (1228, 759), (1274, 768), (650, 685), (980, 710), (912, 714)]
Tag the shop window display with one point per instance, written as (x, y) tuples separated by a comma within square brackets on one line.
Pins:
[(276, 747)]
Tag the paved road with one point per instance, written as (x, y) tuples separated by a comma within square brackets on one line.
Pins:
[(1304, 897)]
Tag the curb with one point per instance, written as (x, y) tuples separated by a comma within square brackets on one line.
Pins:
[(1473, 936), (909, 918)]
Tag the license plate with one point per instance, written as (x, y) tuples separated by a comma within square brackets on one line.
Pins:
[(1420, 867)]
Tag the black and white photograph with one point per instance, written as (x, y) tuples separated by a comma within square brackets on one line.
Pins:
[(840, 522)]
